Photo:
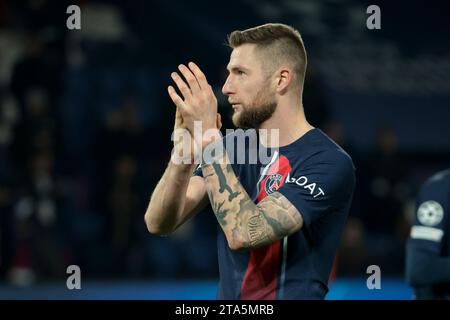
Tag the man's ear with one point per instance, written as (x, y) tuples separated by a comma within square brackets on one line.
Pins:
[(284, 79)]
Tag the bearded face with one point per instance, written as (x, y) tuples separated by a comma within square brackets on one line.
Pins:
[(258, 110)]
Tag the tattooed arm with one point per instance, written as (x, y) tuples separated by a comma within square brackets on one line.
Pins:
[(246, 224)]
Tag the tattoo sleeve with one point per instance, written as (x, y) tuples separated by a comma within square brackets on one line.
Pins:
[(246, 224)]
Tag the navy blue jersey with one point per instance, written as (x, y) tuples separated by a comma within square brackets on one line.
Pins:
[(428, 248), (318, 178)]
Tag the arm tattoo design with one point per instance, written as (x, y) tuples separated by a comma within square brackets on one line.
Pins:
[(244, 223), (223, 185)]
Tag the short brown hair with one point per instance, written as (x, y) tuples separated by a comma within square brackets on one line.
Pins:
[(278, 43)]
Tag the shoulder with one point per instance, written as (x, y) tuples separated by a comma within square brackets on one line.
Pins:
[(323, 151), (432, 208), (438, 181), (436, 190)]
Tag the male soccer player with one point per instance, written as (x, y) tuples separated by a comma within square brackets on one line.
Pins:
[(281, 221), (428, 248)]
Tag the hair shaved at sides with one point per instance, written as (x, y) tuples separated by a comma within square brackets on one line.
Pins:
[(277, 44)]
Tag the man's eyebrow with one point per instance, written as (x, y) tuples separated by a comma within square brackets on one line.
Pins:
[(236, 67)]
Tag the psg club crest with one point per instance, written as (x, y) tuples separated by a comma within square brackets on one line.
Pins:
[(273, 183)]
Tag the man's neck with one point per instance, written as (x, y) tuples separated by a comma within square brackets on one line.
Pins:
[(290, 123)]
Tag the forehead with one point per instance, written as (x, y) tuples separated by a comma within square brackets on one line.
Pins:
[(243, 57)]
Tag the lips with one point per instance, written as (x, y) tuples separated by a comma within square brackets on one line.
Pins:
[(235, 105)]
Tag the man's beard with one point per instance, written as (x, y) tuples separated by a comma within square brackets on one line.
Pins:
[(255, 113)]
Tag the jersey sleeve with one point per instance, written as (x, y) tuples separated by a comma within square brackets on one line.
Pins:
[(431, 218), (323, 184), (425, 264)]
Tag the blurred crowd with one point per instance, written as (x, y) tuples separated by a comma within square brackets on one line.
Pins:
[(85, 127)]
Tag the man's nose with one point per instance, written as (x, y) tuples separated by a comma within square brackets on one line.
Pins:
[(226, 89)]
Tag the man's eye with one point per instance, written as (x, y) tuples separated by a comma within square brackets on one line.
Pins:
[(240, 72)]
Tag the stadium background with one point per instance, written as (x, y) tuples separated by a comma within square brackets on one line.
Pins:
[(85, 126)]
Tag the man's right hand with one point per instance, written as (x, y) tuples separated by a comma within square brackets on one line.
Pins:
[(184, 141)]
